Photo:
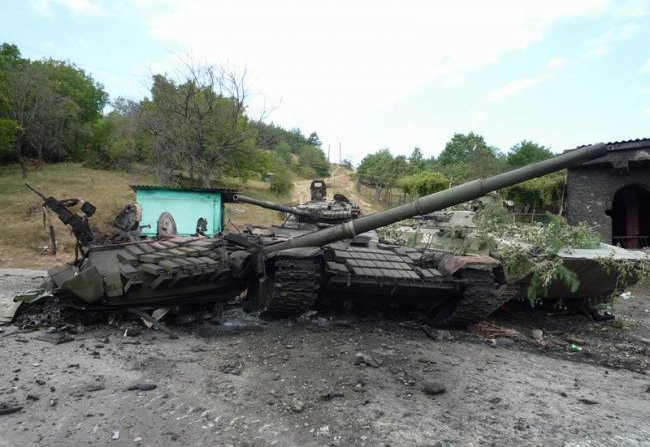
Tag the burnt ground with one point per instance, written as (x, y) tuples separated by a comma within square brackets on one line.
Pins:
[(339, 380)]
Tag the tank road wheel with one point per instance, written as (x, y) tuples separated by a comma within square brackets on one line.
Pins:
[(293, 285), (481, 297)]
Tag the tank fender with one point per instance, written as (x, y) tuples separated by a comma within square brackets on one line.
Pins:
[(297, 253), (450, 264), (87, 286)]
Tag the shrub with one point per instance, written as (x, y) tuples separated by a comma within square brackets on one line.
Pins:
[(282, 182), (423, 183)]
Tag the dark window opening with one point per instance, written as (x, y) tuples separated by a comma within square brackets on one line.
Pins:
[(630, 215)]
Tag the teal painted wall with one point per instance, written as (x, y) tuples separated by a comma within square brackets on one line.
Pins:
[(185, 206)]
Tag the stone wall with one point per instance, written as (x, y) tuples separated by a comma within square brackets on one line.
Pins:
[(591, 189)]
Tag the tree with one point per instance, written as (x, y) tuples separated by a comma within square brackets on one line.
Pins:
[(118, 140), (269, 136), (399, 167), (467, 157), (53, 106), (9, 127), (525, 153), (461, 148), (296, 139), (283, 153), (375, 168), (313, 139), (198, 125), (315, 159), (416, 160)]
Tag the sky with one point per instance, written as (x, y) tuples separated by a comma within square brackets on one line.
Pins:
[(367, 75)]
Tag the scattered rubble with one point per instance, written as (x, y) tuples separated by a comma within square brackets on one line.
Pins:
[(357, 384), (141, 387), (297, 406), (365, 359), (434, 388)]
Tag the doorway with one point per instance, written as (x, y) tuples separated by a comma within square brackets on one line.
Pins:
[(630, 215)]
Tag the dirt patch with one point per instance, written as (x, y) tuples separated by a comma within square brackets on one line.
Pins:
[(331, 380), (340, 181)]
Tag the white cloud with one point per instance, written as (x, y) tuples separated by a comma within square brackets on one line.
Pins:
[(556, 63), (515, 87), (606, 43), (78, 7), (331, 63), (551, 67), (478, 117), (42, 7), (646, 67)]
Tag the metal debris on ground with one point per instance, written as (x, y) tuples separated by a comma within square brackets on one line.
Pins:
[(491, 330), (142, 387), (56, 338), (574, 348), (434, 388), (366, 359), (329, 395), (9, 408)]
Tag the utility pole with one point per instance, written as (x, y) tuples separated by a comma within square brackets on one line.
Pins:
[(328, 152), (339, 152)]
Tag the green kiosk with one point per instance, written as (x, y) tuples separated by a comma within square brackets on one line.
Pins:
[(182, 211)]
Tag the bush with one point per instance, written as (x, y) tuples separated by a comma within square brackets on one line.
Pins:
[(282, 182), (306, 172), (541, 191), (118, 156), (423, 183)]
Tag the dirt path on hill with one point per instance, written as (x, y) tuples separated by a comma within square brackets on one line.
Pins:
[(340, 182)]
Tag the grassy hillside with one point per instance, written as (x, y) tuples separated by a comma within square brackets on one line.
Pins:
[(23, 241)]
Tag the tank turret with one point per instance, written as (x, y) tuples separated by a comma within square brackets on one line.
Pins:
[(302, 214), (313, 215)]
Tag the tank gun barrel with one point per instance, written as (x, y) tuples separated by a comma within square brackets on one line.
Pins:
[(272, 206), (443, 199)]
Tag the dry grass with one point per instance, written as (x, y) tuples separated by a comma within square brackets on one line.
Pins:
[(24, 242), (239, 215), (22, 238)]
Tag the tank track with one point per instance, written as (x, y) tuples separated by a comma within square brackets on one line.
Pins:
[(482, 297), (293, 287)]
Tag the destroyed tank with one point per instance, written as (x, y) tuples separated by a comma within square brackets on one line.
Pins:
[(318, 212), (458, 231), (288, 277)]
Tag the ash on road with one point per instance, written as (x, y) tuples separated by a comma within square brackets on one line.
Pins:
[(333, 380)]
